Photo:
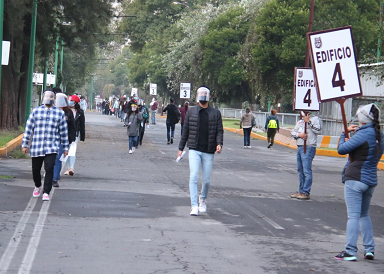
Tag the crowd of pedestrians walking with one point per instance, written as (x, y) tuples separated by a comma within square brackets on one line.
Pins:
[(54, 129)]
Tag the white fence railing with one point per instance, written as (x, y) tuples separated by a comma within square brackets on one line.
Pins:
[(285, 119)]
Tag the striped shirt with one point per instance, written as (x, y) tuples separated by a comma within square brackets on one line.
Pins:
[(48, 128)]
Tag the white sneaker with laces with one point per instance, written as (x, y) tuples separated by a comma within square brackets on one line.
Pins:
[(45, 197), (194, 211), (202, 206)]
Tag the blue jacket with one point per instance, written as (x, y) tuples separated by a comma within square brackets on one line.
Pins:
[(268, 119), (363, 155)]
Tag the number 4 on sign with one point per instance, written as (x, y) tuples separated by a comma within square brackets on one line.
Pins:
[(337, 73), (307, 98)]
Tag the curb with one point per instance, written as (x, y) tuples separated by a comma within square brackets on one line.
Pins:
[(321, 152), (11, 145)]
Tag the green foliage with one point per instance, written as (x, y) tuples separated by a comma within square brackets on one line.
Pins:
[(108, 90)]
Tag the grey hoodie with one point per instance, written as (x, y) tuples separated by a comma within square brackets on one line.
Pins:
[(314, 127), (134, 120)]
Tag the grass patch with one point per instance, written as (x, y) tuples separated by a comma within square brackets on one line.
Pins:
[(231, 123), (6, 177), (9, 135), (17, 153)]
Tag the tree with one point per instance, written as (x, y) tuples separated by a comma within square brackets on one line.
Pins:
[(87, 17)]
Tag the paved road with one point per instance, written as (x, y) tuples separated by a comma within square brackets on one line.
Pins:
[(124, 213)]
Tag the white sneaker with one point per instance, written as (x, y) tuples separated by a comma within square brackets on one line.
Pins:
[(133, 149), (244, 146), (194, 211), (45, 197), (202, 206), (130, 152), (249, 147)]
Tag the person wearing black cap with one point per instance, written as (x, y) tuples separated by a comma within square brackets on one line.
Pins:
[(173, 117)]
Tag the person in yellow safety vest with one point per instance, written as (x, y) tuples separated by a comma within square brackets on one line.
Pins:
[(271, 126)]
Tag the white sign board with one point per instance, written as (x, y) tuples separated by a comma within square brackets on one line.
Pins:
[(334, 64), (305, 93), (134, 92), (153, 89), (38, 78), (5, 54), (185, 90)]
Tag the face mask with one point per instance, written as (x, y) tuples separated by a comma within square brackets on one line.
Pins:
[(134, 108), (71, 103)]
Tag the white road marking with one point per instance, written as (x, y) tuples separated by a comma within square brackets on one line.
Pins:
[(16, 237), (29, 257), (259, 214), (230, 149), (161, 152)]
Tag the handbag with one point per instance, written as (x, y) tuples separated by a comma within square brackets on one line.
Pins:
[(253, 122)]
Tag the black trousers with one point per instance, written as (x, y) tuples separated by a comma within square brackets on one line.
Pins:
[(141, 134), (271, 135), (49, 164)]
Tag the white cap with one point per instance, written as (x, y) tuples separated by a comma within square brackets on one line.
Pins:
[(48, 97), (61, 100), (203, 94)]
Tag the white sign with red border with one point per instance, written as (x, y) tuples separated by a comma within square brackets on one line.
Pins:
[(305, 93), (185, 90), (334, 64)]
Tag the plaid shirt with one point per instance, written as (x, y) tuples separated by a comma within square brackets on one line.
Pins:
[(49, 128)]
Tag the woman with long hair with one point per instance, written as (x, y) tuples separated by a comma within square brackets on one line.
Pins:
[(132, 122), (365, 149), (78, 114), (62, 103)]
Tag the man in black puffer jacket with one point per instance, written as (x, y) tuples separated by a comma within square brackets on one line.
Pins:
[(203, 130), (173, 117)]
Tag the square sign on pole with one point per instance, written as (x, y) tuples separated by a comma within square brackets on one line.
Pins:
[(153, 89), (334, 64), (305, 93), (185, 90), (134, 92)]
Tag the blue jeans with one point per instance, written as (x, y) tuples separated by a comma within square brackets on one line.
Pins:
[(247, 136), (206, 160), (58, 164), (132, 142), (170, 128), (72, 159), (304, 168), (153, 116), (358, 199)]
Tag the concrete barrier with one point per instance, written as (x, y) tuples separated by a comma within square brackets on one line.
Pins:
[(11, 145)]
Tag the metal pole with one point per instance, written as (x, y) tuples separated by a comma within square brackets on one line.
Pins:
[(45, 74), (307, 59), (1, 38), (56, 58), (91, 96), (31, 61), (61, 62)]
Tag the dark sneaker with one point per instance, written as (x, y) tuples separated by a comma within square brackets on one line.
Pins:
[(172, 140), (55, 184), (369, 255), (168, 143), (343, 255), (269, 146)]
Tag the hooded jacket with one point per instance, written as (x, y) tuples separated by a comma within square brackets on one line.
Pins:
[(191, 129), (364, 153), (313, 129)]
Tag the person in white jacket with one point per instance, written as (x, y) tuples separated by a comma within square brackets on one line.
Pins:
[(304, 160)]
